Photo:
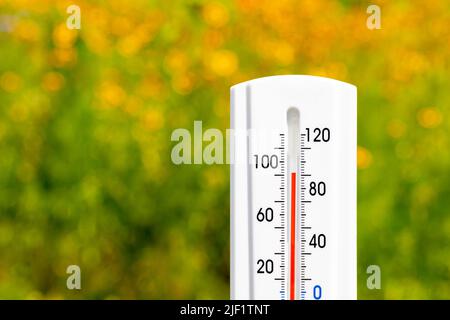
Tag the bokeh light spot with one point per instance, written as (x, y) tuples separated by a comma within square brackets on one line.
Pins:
[(10, 81), (364, 158), (223, 63), (429, 117), (215, 14), (52, 81)]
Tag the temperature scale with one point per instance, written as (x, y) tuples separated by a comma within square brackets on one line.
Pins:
[(293, 189)]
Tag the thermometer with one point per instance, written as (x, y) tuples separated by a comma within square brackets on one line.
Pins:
[(293, 189)]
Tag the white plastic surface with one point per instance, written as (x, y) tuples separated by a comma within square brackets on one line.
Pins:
[(285, 244)]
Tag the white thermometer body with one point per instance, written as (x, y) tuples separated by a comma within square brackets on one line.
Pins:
[(293, 189)]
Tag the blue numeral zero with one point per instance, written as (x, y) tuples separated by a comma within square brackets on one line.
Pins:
[(317, 292)]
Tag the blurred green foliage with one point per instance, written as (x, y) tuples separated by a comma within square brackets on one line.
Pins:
[(86, 117)]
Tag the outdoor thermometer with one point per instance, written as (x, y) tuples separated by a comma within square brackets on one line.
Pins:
[(293, 189)]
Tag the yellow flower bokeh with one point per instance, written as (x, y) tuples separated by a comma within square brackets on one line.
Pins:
[(223, 63), (10, 81), (215, 14), (52, 81), (429, 117)]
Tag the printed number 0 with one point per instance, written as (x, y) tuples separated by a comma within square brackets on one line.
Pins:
[(317, 292)]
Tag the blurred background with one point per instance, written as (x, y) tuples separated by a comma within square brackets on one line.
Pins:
[(86, 117)]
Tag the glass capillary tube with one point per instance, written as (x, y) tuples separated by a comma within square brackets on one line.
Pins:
[(293, 124)]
